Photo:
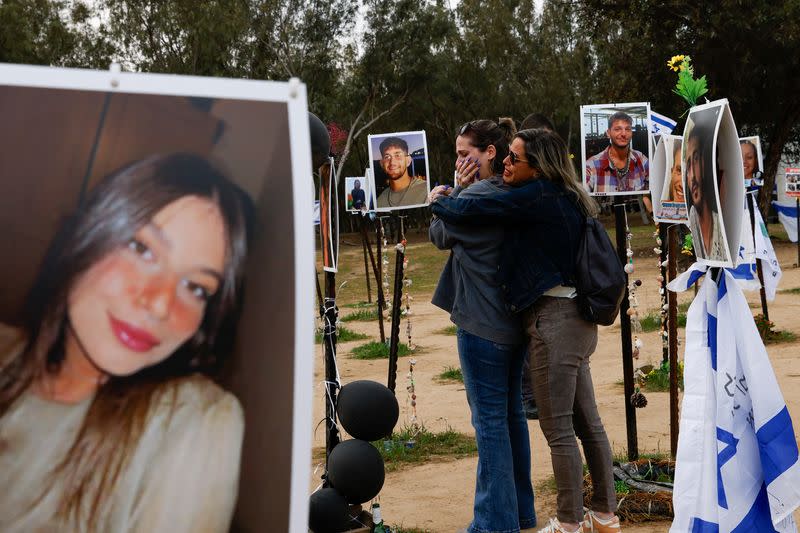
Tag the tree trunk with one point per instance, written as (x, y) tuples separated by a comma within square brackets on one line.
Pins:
[(778, 140)]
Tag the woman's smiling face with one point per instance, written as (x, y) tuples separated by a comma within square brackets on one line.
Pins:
[(748, 159), (140, 303)]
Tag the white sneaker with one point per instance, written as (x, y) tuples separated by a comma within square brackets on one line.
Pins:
[(594, 524), (554, 526)]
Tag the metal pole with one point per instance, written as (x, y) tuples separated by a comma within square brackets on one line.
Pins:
[(329, 340), (762, 292), (672, 335), (397, 297), (627, 349)]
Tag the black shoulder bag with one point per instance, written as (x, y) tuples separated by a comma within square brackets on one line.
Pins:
[(599, 276)]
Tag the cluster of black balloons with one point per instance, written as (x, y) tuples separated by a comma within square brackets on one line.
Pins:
[(368, 411)]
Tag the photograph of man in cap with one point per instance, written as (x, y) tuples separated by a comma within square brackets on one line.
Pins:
[(402, 189), (618, 168)]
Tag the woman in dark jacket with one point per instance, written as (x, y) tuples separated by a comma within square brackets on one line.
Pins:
[(491, 343), (544, 211)]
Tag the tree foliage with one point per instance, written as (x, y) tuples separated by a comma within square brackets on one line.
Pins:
[(378, 65), (746, 49), (47, 32)]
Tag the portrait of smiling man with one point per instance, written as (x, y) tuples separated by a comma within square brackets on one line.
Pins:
[(402, 188), (618, 168)]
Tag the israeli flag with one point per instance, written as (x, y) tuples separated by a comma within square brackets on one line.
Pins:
[(787, 214), (661, 125), (770, 266), (737, 467), (745, 272)]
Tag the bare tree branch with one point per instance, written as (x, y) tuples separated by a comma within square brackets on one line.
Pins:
[(351, 137)]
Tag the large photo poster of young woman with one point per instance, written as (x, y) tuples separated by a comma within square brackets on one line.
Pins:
[(616, 148), (156, 306), (713, 183)]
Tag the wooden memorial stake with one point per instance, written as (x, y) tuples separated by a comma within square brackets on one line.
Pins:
[(751, 207), (672, 335), (329, 339), (397, 297), (320, 300), (365, 244), (625, 326), (381, 303), (330, 315), (377, 266), (663, 235)]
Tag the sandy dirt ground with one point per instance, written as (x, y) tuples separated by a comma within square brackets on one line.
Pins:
[(437, 495)]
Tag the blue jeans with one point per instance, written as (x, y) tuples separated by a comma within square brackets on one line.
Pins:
[(493, 380)]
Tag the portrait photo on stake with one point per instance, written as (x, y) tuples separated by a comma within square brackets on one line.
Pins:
[(616, 148), (137, 372), (399, 170)]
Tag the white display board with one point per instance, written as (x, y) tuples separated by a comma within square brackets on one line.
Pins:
[(65, 130)]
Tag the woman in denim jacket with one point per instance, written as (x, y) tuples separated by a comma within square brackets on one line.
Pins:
[(491, 343), (543, 210)]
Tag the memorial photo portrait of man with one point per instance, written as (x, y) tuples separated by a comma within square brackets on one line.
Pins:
[(702, 181), (618, 168), (402, 188)]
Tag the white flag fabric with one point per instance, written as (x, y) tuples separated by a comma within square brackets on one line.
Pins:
[(745, 272), (787, 215), (770, 266), (661, 125), (737, 467)]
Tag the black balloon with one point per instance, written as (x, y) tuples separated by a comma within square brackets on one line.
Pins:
[(320, 141), (367, 409), (355, 468), (328, 512)]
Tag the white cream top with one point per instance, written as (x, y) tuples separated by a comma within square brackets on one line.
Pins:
[(562, 291), (182, 476)]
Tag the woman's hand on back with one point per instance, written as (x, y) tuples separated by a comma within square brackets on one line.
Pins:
[(439, 191)]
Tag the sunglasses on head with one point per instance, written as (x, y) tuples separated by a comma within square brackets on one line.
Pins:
[(466, 127)]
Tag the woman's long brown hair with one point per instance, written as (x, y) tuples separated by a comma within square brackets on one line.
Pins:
[(107, 220), (546, 151)]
